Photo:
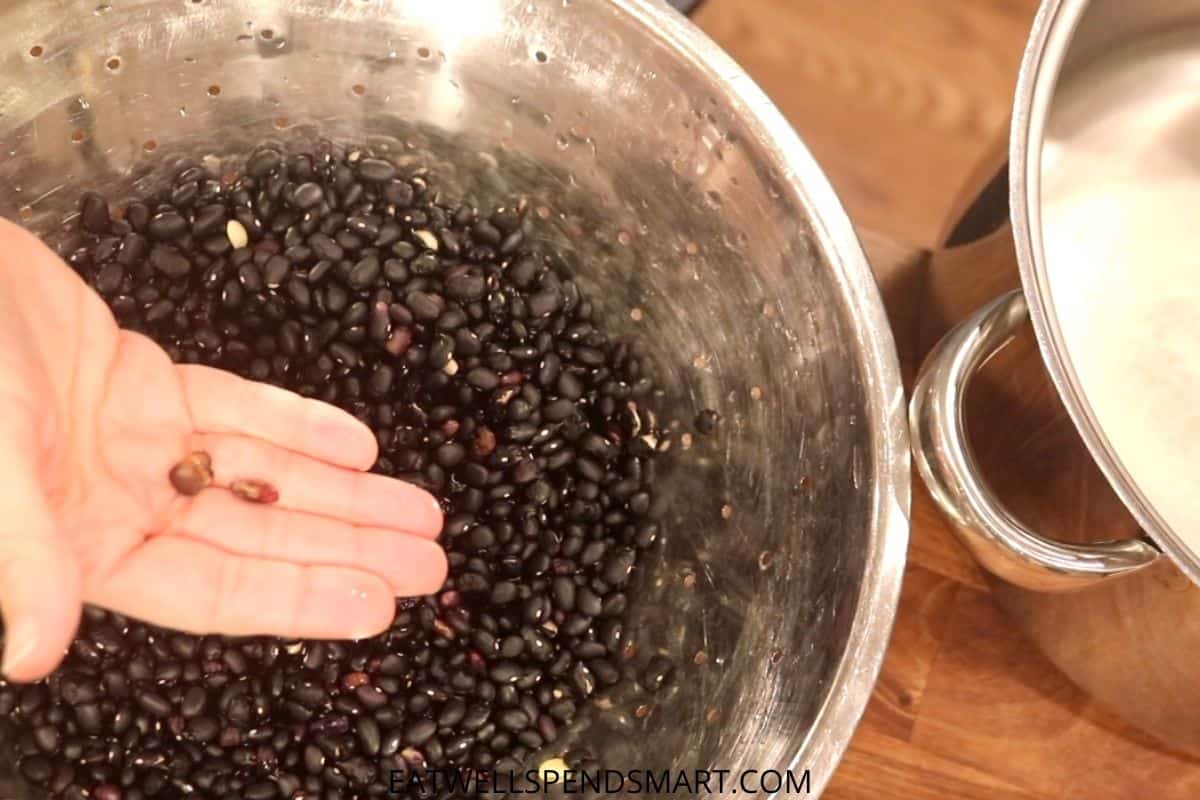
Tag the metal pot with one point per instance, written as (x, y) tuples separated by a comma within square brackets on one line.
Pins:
[(678, 191), (1105, 106)]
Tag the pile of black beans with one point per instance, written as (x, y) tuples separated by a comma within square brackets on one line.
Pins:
[(478, 363)]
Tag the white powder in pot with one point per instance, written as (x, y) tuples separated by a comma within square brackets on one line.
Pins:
[(1121, 230)]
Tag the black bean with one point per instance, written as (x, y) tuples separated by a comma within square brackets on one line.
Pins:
[(47, 738), (657, 674), (618, 566), (368, 734), (262, 790), (582, 679), (504, 592), (109, 278), (308, 195), (262, 162), (466, 286), (344, 354), (168, 225), (564, 593), (380, 382), (298, 291), (193, 702), (170, 262), (524, 272), (37, 768), (424, 306), (376, 170), (483, 379), (318, 272), (365, 273), (314, 760), (420, 731), (475, 718), (326, 247), (545, 302), (588, 602), (210, 220), (275, 271), (93, 213), (250, 277), (513, 719), (706, 421), (569, 386), (154, 704), (203, 729)]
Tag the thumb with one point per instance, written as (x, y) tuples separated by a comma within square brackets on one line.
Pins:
[(40, 592)]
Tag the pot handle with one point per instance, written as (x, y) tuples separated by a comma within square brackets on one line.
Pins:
[(1004, 546)]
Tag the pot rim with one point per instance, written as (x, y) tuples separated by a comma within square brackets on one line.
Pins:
[(1045, 52), (879, 593)]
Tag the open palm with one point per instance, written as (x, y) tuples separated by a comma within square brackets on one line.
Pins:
[(92, 418)]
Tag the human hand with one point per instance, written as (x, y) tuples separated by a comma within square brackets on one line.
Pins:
[(92, 418)]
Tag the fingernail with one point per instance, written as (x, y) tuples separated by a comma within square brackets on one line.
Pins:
[(20, 642)]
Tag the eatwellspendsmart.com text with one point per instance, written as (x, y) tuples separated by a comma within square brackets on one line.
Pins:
[(785, 783)]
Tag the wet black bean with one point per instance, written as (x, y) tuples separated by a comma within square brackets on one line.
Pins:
[(262, 162), (170, 262), (275, 271), (588, 602), (154, 704), (618, 565), (420, 731), (483, 379), (424, 306), (376, 170), (657, 674), (109, 278), (325, 247), (308, 195), (582, 679), (569, 386), (524, 272), (168, 225), (466, 286), (364, 274), (514, 720), (707, 420), (94, 214)]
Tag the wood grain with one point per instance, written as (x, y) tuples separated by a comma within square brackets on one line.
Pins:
[(900, 100)]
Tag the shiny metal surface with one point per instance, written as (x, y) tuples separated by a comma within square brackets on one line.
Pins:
[(1068, 37), (1132, 643), (942, 453), (675, 188)]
